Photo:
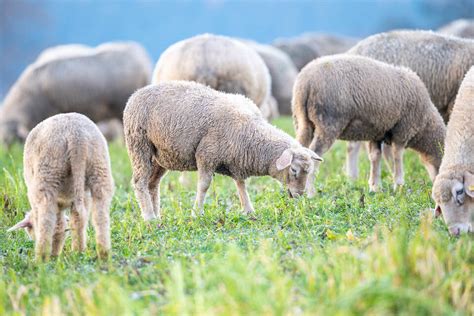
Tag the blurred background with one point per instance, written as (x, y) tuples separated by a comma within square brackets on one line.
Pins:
[(28, 27)]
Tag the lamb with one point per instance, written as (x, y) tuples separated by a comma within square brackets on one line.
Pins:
[(440, 62), (461, 28), (360, 99), (282, 72), (182, 125), (453, 188), (219, 62), (96, 84), (67, 165), (307, 47)]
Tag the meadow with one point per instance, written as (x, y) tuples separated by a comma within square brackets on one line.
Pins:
[(344, 252)]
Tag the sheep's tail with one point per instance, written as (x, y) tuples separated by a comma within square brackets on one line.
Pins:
[(299, 108), (78, 160)]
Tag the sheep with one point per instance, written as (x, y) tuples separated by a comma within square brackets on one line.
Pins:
[(461, 28), (282, 72), (356, 98), (183, 125), (453, 188), (96, 84), (440, 62), (219, 62), (67, 166), (309, 46)]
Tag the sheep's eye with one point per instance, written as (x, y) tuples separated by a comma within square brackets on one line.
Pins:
[(293, 171), (460, 192)]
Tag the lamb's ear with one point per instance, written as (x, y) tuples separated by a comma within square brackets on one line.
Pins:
[(315, 156), (24, 223), (437, 211), (469, 183), (285, 159)]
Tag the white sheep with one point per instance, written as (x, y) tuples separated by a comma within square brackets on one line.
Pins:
[(453, 188), (182, 125), (67, 166)]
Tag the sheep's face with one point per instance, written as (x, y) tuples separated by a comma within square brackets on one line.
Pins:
[(296, 165), (455, 202)]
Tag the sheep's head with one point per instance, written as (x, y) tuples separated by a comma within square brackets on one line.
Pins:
[(295, 165), (27, 224), (454, 199)]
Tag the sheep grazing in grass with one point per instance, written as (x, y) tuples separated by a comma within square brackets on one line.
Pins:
[(453, 188), (67, 165), (360, 99), (440, 62), (461, 28), (307, 47), (96, 84), (282, 72), (182, 125), (220, 62)]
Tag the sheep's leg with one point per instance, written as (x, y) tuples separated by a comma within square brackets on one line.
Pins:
[(101, 222), (375, 155), (154, 187), (59, 234), (398, 165), (244, 197), (204, 181), (79, 227), (44, 231), (352, 159), (320, 144)]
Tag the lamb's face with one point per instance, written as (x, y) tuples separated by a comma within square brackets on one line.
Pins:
[(455, 201), (296, 164)]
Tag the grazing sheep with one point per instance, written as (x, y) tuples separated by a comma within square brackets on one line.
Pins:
[(67, 165), (440, 62), (181, 125), (360, 99), (307, 47), (95, 84), (453, 188), (461, 28), (282, 72), (219, 62)]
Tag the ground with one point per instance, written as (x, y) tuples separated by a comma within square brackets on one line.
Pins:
[(346, 251)]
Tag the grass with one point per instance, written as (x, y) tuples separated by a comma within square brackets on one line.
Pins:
[(345, 252)]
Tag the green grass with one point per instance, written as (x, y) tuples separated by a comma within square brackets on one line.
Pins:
[(345, 252)]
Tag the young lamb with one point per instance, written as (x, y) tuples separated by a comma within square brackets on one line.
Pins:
[(360, 99), (453, 188), (67, 165), (440, 61), (182, 125), (96, 84), (220, 62)]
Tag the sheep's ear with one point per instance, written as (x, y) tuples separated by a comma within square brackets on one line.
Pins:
[(315, 156), (285, 159), (437, 211), (469, 183), (24, 223)]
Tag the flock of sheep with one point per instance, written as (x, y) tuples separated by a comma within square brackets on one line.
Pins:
[(207, 110)]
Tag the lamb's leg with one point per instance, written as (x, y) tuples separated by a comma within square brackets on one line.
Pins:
[(154, 187), (204, 181), (398, 165), (101, 198), (352, 159), (375, 155), (44, 231), (244, 197), (142, 173), (59, 234), (79, 223), (388, 154)]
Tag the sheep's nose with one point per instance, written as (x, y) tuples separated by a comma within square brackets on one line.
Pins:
[(455, 231)]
